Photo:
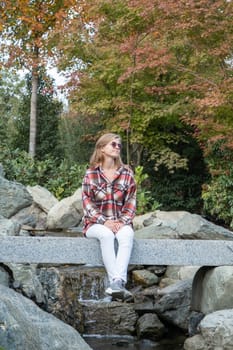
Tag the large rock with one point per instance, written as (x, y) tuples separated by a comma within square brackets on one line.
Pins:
[(181, 272), (31, 216), (174, 304), (42, 197), (2, 173), (25, 277), (216, 332), (144, 277), (141, 221), (216, 287), (156, 232), (13, 197), (66, 286), (24, 326), (66, 213), (193, 226), (8, 227), (149, 326), (107, 318), (178, 224), (4, 277)]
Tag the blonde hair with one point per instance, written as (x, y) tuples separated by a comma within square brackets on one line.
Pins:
[(97, 157)]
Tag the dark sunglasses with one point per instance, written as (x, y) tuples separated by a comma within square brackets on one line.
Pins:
[(116, 144)]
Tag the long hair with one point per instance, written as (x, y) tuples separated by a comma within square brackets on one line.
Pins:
[(97, 157)]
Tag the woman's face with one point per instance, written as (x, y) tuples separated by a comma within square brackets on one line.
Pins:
[(112, 148)]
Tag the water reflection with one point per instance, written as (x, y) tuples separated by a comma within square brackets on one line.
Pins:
[(130, 343)]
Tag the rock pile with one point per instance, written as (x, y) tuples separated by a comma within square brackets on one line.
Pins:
[(75, 294)]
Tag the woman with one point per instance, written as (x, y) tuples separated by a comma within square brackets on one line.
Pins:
[(109, 200)]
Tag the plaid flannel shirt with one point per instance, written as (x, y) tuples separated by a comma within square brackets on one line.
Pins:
[(104, 200)]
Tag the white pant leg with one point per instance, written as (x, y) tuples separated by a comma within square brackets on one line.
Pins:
[(106, 238), (125, 243)]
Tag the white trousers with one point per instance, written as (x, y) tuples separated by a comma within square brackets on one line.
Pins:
[(116, 263)]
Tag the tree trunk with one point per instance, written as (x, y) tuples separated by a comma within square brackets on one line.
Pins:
[(32, 133)]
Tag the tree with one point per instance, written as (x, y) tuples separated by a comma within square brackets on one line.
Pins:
[(108, 83), (145, 63), (25, 41), (48, 112), (11, 92), (197, 36)]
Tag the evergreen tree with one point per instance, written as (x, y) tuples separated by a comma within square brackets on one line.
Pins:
[(11, 91), (49, 110)]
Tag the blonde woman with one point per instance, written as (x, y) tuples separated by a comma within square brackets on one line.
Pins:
[(109, 204)]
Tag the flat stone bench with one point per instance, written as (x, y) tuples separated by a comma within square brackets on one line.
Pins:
[(80, 250)]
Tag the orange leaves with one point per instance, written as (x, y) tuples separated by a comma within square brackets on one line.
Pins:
[(212, 99), (170, 55), (27, 25)]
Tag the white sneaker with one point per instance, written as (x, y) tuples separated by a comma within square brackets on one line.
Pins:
[(118, 291)]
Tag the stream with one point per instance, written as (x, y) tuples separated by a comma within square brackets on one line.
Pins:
[(130, 343)]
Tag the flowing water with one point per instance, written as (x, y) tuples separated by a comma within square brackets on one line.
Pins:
[(130, 343)]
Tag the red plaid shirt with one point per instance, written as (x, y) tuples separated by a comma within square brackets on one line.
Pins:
[(105, 200)]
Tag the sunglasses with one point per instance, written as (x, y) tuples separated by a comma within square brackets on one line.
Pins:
[(116, 144)]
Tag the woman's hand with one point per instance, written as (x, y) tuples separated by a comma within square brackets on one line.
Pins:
[(110, 224), (118, 225), (113, 225)]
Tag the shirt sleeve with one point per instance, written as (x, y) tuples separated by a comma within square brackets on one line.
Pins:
[(129, 208), (89, 208)]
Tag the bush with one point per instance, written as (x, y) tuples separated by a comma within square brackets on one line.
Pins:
[(69, 179), (179, 192), (145, 201), (218, 199), (59, 178), (217, 193)]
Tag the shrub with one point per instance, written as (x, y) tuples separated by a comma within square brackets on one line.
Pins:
[(145, 201), (61, 179), (179, 192), (218, 199)]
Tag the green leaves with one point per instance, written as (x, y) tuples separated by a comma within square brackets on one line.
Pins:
[(218, 200), (145, 201), (61, 179)]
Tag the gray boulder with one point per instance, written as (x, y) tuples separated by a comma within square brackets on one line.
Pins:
[(216, 332), (178, 224), (174, 302), (24, 326), (13, 197), (66, 213), (2, 173), (8, 227), (42, 197), (25, 277), (107, 318), (149, 326), (31, 216), (216, 289), (4, 277), (193, 226)]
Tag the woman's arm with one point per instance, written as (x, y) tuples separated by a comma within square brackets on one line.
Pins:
[(90, 210), (129, 208)]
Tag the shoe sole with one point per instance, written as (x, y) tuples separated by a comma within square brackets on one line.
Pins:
[(118, 294), (115, 294)]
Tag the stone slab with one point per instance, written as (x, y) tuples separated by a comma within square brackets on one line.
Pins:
[(70, 250)]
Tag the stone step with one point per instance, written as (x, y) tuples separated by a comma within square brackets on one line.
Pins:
[(80, 250)]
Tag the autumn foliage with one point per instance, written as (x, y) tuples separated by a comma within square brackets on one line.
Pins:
[(137, 64), (159, 72)]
